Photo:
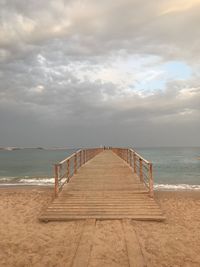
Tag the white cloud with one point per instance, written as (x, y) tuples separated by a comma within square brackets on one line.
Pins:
[(38, 89), (190, 93), (179, 6)]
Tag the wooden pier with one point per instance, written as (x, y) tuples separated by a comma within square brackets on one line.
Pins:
[(103, 184)]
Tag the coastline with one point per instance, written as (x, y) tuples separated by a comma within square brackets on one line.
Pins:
[(158, 193), (27, 242), (24, 186), (157, 187)]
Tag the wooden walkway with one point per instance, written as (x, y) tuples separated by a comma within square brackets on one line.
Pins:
[(104, 188)]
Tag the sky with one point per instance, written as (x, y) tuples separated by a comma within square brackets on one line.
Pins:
[(82, 73)]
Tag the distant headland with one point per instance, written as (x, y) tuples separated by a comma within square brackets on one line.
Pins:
[(12, 148), (19, 148)]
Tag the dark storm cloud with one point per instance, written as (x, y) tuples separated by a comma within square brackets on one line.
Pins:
[(51, 54)]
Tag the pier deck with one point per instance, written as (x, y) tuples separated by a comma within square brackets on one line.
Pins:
[(105, 187)]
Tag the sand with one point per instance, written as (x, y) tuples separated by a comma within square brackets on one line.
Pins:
[(24, 241)]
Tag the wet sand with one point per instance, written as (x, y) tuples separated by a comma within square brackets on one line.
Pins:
[(24, 241)]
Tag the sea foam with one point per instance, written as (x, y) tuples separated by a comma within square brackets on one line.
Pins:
[(176, 187)]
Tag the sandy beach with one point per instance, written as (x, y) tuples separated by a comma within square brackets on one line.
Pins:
[(27, 242)]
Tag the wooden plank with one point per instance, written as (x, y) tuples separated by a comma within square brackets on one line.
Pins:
[(83, 252), (104, 201), (101, 217), (132, 205), (108, 206), (102, 207), (135, 256)]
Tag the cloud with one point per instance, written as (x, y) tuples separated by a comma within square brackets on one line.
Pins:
[(180, 6), (97, 28), (99, 70)]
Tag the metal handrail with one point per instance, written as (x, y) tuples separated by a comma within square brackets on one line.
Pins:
[(142, 167), (66, 168)]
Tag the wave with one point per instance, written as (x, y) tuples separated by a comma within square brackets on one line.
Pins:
[(38, 181), (174, 187), (10, 181)]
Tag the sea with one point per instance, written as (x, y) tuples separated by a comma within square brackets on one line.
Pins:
[(174, 168)]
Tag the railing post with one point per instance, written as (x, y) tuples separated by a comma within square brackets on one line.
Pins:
[(80, 158), (151, 179), (75, 163), (141, 170), (131, 159), (56, 188), (68, 169), (84, 156), (134, 163)]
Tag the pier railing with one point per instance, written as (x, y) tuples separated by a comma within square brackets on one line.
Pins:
[(66, 168), (140, 166)]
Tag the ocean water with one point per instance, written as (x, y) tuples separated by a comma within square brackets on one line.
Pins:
[(173, 168), (30, 166)]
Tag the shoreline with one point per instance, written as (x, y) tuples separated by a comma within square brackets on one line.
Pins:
[(157, 192), (171, 188), (23, 186)]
